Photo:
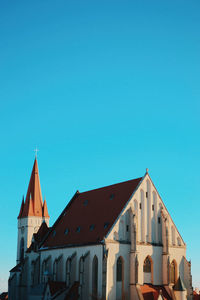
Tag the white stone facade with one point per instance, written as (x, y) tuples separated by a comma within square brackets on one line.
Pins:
[(143, 246)]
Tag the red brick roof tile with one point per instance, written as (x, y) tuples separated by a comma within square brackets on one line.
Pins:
[(151, 292), (90, 215), (56, 286)]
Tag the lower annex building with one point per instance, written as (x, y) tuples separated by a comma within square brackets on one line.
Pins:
[(117, 242)]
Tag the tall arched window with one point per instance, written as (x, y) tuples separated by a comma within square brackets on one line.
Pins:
[(21, 249), (68, 272), (147, 269), (94, 277), (55, 270), (119, 269), (81, 277), (104, 274), (119, 278), (173, 272)]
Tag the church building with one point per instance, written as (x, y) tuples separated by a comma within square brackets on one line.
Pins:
[(117, 242)]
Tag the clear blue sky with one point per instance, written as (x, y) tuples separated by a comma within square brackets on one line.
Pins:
[(104, 89)]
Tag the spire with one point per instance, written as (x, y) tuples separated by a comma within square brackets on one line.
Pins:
[(33, 203), (45, 210), (22, 208)]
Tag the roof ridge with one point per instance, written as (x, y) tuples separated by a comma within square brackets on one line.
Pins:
[(110, 185)]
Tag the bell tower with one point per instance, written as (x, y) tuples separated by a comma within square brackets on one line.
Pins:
[(33, 213)]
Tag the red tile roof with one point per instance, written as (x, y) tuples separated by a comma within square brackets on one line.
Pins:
[(33, 205), (73, 293), (38, 237), (196, 296), (151, 292), (90, 215), (56, 286), (4, 296), (17, 268)]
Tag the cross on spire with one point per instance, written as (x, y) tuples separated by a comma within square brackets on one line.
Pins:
[(36, 150)]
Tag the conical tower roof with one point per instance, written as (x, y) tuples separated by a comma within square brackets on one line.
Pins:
[(33, 205), (45, 210), (21, 209)]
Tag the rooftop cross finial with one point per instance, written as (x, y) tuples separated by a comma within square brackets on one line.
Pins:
[(36, 151), (147, 170)]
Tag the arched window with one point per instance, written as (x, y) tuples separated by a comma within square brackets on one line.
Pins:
[(55, 270), (147, 269), (104, 274), (147, 265), (46, 269), (21, 249), (68, 272), (94, 277), (81, 277), (173, 272), (120, 278), (119, 269)]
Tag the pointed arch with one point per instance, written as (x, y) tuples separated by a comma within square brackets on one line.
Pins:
[(55, 270), (104, 274), (81, 276), (68, 272), (120, 278), (94, 277), (148, 270), (173, 272)]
